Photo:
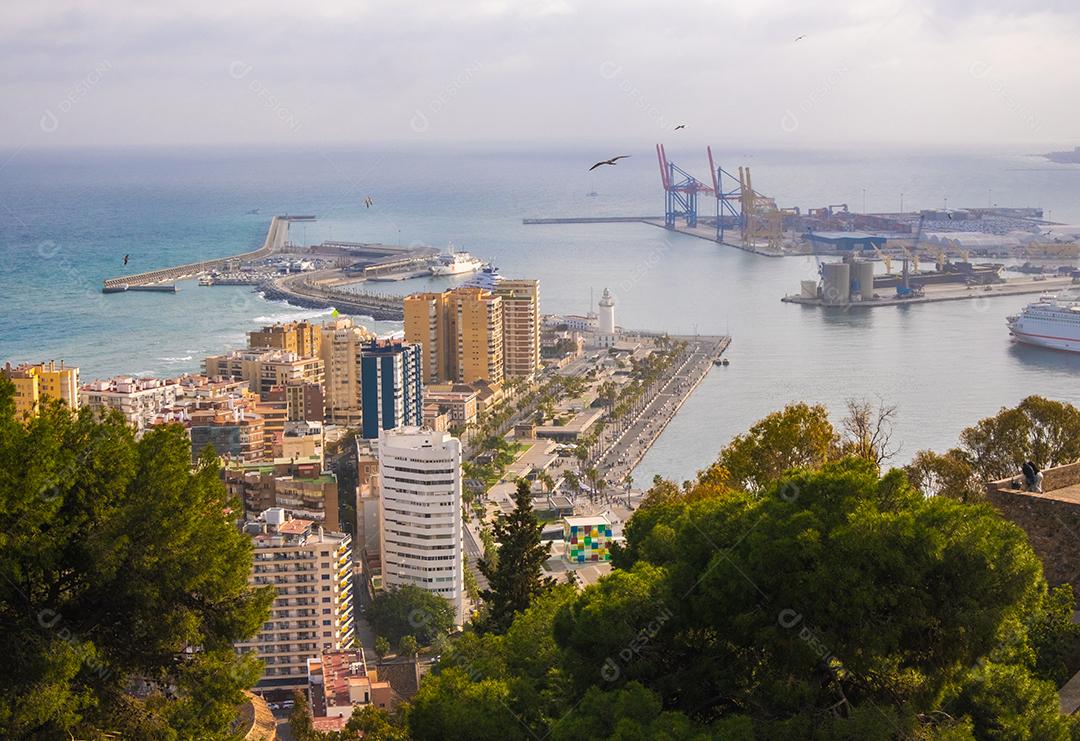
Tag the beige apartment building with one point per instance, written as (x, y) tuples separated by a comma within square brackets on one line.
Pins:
[(461, 333), (341, 345), (311, 569), (265, 369), (521, 326), (302, 338)]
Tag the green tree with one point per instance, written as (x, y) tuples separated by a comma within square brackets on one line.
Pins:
[(629, 712), (410, 610), (516, 577), (452, 707), (828, 592), (300, 720), (1037, 429), (798, 436), (371, 723), (119, 562), (408, 646), (949, 474), (382, 646)]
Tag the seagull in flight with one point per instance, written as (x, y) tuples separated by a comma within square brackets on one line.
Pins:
[(799, 38), (680, 126), (611, 161), (126, 258)]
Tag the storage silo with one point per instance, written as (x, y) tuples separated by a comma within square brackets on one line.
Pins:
[(835, 282), (863, 273)]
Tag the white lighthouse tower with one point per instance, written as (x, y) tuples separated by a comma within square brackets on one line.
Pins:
[(606, 320)]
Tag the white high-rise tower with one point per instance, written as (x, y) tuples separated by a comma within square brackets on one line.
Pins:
[(420, 513)]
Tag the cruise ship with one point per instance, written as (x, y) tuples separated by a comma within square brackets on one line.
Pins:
[(456, 263), (1052, 321)]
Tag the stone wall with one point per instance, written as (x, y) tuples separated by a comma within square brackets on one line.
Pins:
[(1052, 525)]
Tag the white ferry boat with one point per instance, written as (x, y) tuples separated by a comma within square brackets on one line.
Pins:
[(456, 263), (1052, 321)]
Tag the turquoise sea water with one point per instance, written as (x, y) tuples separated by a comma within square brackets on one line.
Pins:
[(67, 219)]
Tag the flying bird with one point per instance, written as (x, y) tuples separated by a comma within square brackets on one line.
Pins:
[(368, 201), (680, 126), (126, 258), (799, 38), (611, 161)]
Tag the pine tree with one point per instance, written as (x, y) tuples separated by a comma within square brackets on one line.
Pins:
[(516, 576)]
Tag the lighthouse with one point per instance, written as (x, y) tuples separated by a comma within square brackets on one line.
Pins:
[(605, 328)]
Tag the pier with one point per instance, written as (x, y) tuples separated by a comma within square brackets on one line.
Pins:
[(945, 292), (276, 237)]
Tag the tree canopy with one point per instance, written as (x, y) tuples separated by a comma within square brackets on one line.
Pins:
[(410, 611), (121, 568), (791, 591), (516, 574)]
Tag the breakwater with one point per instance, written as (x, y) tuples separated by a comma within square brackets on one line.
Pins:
[(276, 237)]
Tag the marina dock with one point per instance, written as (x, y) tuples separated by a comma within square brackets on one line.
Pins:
[(158, 280)]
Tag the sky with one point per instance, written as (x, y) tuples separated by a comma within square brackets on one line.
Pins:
[(535, 73)]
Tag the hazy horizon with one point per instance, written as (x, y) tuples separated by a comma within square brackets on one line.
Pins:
[(910, 76)]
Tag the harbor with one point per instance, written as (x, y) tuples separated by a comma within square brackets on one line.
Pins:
[(941, 292)]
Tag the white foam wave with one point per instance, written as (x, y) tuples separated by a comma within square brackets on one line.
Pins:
[(177, 359), (292, 316)]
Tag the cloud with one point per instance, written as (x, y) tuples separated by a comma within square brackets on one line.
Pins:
[(520, 72)]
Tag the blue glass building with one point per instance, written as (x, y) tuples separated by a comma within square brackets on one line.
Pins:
[(390, 386)]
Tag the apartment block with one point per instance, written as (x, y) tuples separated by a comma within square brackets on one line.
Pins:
[(302, 338), (391, 387), (460, 332), (265, 369), (311, 569), (302, 488), (35, 382), (421, 531), (342, 343), (521, 326), (139, 400)]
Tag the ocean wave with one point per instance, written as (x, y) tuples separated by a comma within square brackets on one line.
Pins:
[(178, 359), (292, 316)]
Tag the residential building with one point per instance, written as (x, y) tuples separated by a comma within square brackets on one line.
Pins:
[(265, 369), (391, 388), (302, 338), (458, 401), (35, 382), (338, 683), (421, 531), (301, 441), (342, 342), (521, 326), (311, 569), (139, 400), (300, 487), (234, 433), (476, 319), (303, 400), (435, 418), (426, 323), (460, 332)]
